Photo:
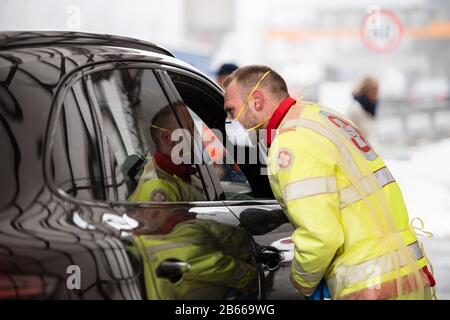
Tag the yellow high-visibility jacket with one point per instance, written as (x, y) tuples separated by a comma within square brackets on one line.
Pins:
[(220, 257), (157, 185), (351, 223)]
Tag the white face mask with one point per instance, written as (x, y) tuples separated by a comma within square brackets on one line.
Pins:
[(236, 131), (238, 135)]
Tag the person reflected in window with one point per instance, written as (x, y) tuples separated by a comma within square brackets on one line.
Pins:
[(161, 179)]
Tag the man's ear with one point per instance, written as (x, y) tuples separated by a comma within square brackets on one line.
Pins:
[(258, 100), (165, 136)]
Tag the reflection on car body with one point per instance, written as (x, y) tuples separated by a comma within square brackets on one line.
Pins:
[(219, 256)]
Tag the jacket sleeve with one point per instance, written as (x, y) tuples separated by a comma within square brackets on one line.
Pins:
[(303, 165), (221, 255)]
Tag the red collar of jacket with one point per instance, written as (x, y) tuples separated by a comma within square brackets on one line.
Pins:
[(276, 118), (183, 171)]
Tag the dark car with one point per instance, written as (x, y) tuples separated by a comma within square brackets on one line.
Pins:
[(76, 112)]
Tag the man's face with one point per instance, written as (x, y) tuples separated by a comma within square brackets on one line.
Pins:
[(233, 103), (165, 136), (171, 124)]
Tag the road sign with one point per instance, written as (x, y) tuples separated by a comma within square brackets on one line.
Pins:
[(382, 30)]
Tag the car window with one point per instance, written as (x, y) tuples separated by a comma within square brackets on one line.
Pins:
[(239, 181), (214, 153), (138, 123)]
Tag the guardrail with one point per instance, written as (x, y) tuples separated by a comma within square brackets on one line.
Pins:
[(401, 121)]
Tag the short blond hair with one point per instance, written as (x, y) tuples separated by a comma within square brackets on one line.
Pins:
[(248, 76)]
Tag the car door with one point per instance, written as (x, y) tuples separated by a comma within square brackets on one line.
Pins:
[(75, 172), (183, 244), (244, 186)]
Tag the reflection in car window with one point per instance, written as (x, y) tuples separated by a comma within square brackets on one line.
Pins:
[(139, 125), (205, 103), (220, 256), (139, 121), (132, 160), (232, 179)]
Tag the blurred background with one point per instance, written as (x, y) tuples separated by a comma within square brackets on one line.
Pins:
[(323, 49)]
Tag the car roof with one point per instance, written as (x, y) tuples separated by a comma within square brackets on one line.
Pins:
[(82, 48), (26, 39)]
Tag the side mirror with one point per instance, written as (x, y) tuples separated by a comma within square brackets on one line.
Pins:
[(172, 269)]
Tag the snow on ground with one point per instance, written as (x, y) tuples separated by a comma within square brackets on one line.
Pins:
[(424, 178)]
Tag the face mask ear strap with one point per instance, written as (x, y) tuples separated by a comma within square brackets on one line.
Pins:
[(162, 129), (257, 126), (251, 92)]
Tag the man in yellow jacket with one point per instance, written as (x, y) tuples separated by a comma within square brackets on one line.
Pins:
[(352, 233)]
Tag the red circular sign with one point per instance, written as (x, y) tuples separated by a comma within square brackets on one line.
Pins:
[(381, 31)]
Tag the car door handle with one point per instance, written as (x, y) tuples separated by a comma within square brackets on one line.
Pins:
[(271, 257), (172, 269)]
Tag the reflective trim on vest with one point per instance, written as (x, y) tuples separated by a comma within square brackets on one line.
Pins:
[(410, 289), (303, 290), (309, 187), (166, 246), (350, 195), (360, 272), (306, 276), (327, 133)]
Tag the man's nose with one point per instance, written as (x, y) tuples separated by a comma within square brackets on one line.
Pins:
[(229, 114)]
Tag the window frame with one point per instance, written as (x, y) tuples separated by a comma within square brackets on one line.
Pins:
[(205, 170), (66, 84), (214, 178)]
